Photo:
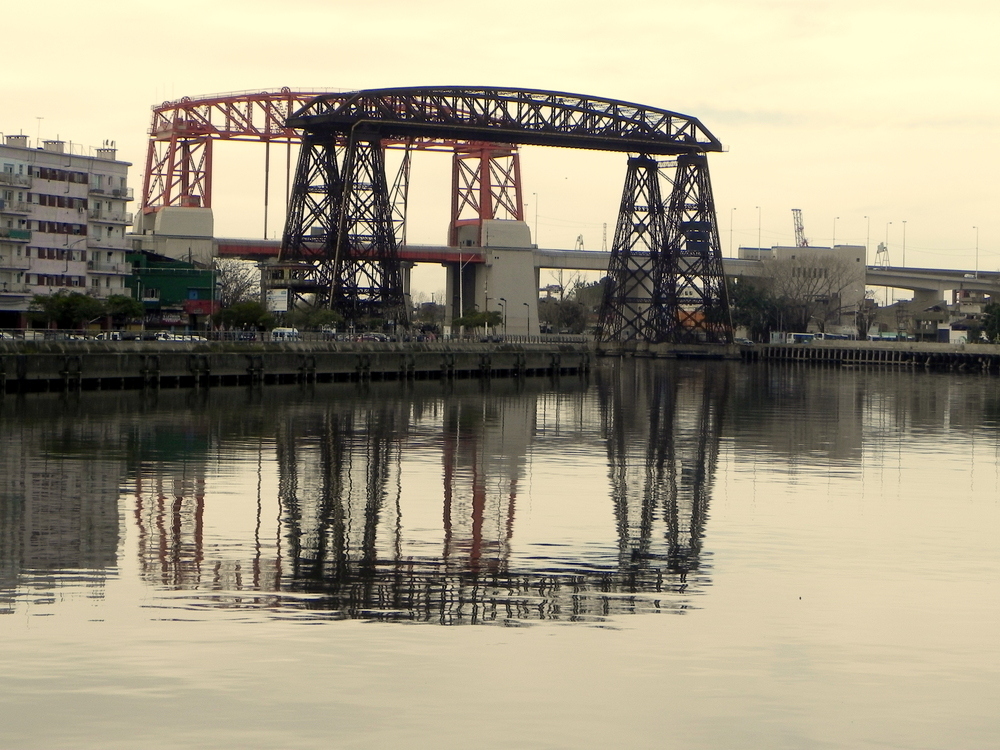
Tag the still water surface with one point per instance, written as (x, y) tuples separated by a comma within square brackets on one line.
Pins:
[(662, 555)]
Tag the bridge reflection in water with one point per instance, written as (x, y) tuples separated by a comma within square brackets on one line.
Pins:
[(344, 545)]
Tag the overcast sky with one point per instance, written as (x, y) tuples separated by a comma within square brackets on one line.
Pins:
[(878, 108)]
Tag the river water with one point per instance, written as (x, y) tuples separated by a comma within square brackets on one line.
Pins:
[(689, 555)]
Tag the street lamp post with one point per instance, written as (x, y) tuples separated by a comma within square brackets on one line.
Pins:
[(503, 310), (758, 232), (886, 249), (529, 316), (904, 243), (977, 251), (732, 212), (534, 197), (833, 243)]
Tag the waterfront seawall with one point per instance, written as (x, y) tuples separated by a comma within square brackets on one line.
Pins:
[(983, 357), (43, 366)]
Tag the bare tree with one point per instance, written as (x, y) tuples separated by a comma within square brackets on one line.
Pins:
[(812, 289), (237, 281)]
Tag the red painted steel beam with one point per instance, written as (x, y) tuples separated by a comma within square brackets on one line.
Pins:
[(179, 152), (267, 249)]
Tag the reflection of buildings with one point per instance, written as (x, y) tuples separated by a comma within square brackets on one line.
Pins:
[(58, 505), (663, 425), (177, 545)]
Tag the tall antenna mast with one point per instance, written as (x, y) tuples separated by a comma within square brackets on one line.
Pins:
[(800, 232)]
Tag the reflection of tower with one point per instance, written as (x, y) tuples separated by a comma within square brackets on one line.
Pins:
[(337, 470), (663, 426), (169, 515), (485, 444)]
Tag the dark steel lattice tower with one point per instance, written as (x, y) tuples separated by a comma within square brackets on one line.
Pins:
[(665, 278), (341, 227), (629, 309), (696, 300)]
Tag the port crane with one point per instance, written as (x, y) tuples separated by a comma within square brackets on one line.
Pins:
[(800, 232)]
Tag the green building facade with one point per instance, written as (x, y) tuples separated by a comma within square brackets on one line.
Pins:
[(176, 294)]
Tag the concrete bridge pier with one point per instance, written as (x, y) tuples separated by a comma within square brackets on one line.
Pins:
[(924, 298), (505, 281)]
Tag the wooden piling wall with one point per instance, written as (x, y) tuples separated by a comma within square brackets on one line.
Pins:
[(973, 357), (26, 367)]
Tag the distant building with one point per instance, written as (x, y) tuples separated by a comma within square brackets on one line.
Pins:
[(835, 272), (63, 223), (174, 293)]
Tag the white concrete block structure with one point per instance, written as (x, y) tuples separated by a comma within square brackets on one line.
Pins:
[(63, 223)]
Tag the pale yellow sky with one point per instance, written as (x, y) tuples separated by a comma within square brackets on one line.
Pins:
[(844, 109)]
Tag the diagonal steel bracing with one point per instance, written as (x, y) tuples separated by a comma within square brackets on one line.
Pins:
[(340, 228), (665, 281)]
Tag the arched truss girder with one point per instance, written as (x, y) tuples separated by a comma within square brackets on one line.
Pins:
[(530, 117)]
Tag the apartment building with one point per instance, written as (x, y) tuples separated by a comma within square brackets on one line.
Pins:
[(63, 223)]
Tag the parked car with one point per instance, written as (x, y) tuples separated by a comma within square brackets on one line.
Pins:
[(285, 334)]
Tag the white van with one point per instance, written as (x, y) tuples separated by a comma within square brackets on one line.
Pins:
[(285, 334)]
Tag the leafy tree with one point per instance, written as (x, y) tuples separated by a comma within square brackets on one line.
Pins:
[(66, 309), (123, 308), (754, 307), (991, 323), (428, 315), (478, 319), (563, 315), (246, 315), (313, 317)]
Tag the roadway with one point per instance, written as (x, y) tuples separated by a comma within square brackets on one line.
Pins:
[(898, 277)]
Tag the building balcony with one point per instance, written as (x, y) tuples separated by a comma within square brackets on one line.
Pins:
[(105, 292), (14, 207), (110, 217), (15, 263), (96, 266), (15, 235), (7, 287), (122, 194), (105, 243), (15, 180)]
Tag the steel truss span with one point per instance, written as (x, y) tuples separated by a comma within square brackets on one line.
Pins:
[(665, 278), (538, 118), (179, 153)]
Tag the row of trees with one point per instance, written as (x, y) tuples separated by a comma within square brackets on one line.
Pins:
[(70, 310)]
